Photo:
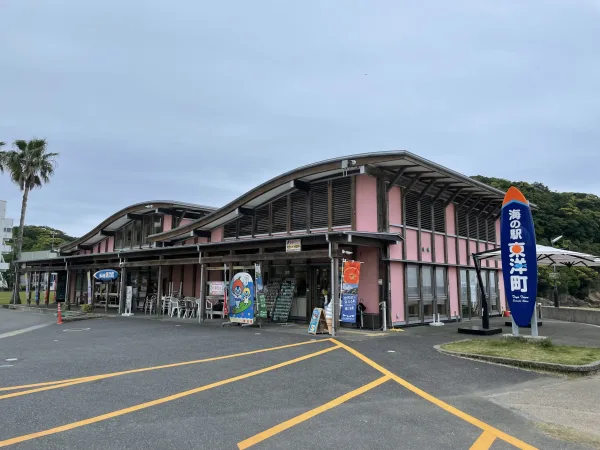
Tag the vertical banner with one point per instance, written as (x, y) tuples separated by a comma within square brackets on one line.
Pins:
[(27, 290), (47, 289), (241, 298), (350, 280), (89, 287), (37, 289), (519, 259), (260, 295)]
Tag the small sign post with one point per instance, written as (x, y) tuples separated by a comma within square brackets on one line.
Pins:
[(317, 324)]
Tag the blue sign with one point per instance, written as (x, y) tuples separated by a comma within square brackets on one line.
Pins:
[(241, 298), (349, 302), (314, 320), (106, 275), (519, 258)]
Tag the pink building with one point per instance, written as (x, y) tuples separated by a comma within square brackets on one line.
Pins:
[(412, 223)]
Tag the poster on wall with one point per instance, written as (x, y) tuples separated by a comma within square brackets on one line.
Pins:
[(216, 288), (241, 298), (350, 280), (89, 287), (519, 258)]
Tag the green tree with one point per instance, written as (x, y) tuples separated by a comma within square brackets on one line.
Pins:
[(30, 166)]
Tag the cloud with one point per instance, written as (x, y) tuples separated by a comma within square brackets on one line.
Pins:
[(201, 102)]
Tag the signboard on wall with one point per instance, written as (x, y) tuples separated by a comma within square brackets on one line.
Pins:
[(241, 298), (216, 288), (519, 258), (293, 245), (350, 280), (106, 275)]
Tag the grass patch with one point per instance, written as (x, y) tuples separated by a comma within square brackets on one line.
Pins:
[(6, 295), (539, 351)]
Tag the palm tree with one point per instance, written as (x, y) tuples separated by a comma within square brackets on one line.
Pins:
[(30, 166)]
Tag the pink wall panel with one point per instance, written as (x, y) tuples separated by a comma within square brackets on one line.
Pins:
[(111, 244), (216, 235), (501, 292), (472, 249), (452, 250), (453, 291), (462, 251), (184, 222), (439, 248), (202, 240), (397, 300), (188, 280), (190, 241), (411, 245), (396, 249), (176, 278), (394, 207), (368, 289), (366, 203), (498, 232), (167, 222), (450, 225), (427, 246)]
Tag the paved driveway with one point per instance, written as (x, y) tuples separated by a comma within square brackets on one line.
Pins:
[(201, 387)]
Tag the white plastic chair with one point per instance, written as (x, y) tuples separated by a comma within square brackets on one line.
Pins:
[(211, 312), (175, 305), (150, 304), (189, 305)]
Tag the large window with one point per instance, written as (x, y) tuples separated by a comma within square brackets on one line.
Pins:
[(412, 290), (135, 233)]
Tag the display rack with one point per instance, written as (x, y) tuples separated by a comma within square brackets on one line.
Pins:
[(283, 303)]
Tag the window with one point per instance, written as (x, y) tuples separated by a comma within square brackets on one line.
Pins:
[(279, 212), (426, 287), (137, 233), (412, 217), (491, 229), (318, 205), (464, 294), (157, 224), (176, 221), (439, 216), (299, 206), (412, 281), (461, 215), (494, 299), (246, 225), (230, 230), (119, 238), (128, 235), (262, 220), (342, 201), (473, 234), (440, 281), (147, 227)]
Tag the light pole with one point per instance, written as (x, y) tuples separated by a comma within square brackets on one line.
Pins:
[(552, 242)]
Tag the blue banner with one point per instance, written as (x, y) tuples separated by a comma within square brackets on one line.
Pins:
[(349, 302), (519, 259)]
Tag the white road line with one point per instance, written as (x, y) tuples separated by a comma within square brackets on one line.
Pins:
[(24, 330)]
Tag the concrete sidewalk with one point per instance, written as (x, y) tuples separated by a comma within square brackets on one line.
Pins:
[(569, 408)]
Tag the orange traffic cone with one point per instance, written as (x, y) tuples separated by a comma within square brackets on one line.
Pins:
[(59, 322)]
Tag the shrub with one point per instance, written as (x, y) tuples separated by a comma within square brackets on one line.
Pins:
[(86, 308)]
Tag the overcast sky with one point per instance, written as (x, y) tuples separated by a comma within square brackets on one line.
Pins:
[(200, 101)]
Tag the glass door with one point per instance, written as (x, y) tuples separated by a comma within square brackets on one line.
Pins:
[(427, 292), (441, 292), (413, 294), (321, 286)]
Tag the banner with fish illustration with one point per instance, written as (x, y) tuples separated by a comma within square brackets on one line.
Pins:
[(241, 298)]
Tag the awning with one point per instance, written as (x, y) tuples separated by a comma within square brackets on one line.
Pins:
[(548, 256)]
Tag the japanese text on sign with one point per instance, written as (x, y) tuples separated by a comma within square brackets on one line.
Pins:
[(518, 264)]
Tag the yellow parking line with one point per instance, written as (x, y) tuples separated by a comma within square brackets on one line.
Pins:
[(436, 401), (484, 442), (309, 414), (159, 401), (72, 381)]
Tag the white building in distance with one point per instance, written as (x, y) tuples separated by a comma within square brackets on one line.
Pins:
[(6, 234)]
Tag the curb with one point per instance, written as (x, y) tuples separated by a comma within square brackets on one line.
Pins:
[(586, 369)]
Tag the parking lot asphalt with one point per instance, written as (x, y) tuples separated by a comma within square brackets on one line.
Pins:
[(251, 388)]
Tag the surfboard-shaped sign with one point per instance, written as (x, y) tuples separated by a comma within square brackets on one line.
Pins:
[(519, 259), (106, 275)]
